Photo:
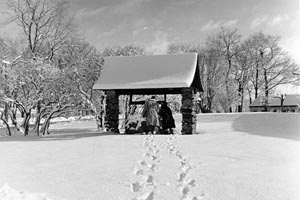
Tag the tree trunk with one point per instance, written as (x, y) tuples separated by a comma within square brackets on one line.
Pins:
[(57, 109), (5, 111), (250, 98), (209, 98), (37, 122), (45, 127), (13, 117), (281, 102), (98, 121), (25, 123), (227, 96), (227, 104), (46, 124), (97, 114), (256, 82), (266, 90), (22, 114), (102, 112), (7, 126), (241, 97)]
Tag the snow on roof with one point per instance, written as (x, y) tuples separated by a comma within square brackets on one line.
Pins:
[(289, 100), (149, 72)]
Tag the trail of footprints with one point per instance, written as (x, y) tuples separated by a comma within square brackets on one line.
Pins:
[(146, 169), (184, 182), (147, 187)]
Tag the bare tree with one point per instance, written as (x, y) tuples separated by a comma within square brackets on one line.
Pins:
[(44, 23), (227, 41), (84, 63), (212, 73), (274, 65), (242, 71)]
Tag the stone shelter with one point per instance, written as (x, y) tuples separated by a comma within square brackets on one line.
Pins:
[(151, 75)]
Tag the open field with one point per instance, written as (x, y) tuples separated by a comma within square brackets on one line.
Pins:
[(234, 156)]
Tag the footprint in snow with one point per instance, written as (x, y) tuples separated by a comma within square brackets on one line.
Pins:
[(185, 191), (149, 180), (146, 196), (185, 168), (147, 154), (183, 162), (139, 172), (179, 154), (153, 167), (154, 158), (198, 197), (192, 183), (146, 144), (181, 176), (144, 163), (136, 187)]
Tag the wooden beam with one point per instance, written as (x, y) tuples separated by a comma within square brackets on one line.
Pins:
[(155, 91), (141, 102), (137, 102)]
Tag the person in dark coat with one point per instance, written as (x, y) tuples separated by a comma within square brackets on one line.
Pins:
[(167, 120)]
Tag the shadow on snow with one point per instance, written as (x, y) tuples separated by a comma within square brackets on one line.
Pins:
[(58, 134), (283, 125)]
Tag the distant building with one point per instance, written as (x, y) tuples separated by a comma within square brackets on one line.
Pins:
[(291, 103)]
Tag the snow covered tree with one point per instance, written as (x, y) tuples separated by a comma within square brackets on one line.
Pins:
[(83, 64)]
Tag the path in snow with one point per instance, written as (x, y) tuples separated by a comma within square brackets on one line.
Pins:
[(148, 187), (146, 168), (185, 181)]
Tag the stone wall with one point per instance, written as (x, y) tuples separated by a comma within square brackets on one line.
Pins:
[(111, 119), (189, 119)]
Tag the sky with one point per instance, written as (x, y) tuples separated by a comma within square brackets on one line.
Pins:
[(154, 24)]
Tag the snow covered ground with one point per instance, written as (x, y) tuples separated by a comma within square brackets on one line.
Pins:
[(234, 156)]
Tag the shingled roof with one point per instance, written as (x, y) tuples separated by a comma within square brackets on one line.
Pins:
[(150, 72)]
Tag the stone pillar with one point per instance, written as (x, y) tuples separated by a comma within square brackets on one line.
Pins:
[(111, 119), (188, 111)]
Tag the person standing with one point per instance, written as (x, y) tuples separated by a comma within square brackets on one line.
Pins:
[(167, 120), (150, 114)]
